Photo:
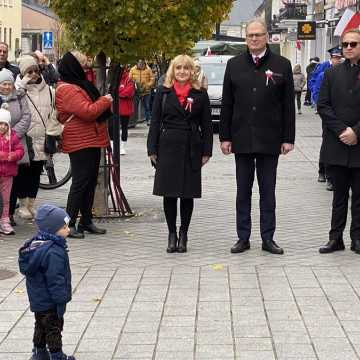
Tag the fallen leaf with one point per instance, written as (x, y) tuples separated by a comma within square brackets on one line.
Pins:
[(218, 267)]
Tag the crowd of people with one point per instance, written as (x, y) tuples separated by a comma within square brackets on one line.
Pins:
[(261, 91)]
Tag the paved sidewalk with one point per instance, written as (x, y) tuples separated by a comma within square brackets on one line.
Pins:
[(132, 300)]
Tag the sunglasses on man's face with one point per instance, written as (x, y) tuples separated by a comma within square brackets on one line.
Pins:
[(353, 44)]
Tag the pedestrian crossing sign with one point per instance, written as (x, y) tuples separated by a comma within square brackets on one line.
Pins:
[(48, 40)]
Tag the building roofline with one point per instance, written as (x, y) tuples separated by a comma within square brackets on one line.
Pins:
[(41, 10)]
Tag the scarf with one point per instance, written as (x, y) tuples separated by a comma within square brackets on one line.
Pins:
[(182, 91), (71, 72)]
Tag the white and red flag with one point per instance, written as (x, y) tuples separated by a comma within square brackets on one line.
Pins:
[(208, 51), (349, 20)]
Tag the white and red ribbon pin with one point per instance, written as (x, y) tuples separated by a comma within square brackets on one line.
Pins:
[(189, 102), (269, 76)]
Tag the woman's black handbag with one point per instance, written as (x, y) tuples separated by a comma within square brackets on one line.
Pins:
[(51, 144)]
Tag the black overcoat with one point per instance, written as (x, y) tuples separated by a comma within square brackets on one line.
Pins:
[(339, 108), (179, 138), (258, 116)]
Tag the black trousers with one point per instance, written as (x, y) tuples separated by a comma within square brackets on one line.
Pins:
[(344, 179), (170, 210), (266, 168), (308, 95), (26, 183), (323, 168), (85, 169), (124, 120), (48, 328), (298, 99)]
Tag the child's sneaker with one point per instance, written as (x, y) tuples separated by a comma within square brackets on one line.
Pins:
[(40, 354), (6, 228), (61, 356)]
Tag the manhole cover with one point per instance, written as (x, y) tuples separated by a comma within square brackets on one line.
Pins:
[(6, 274)]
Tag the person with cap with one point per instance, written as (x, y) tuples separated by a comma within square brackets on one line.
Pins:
[(4, 63), (20, 123), (339, 109), (315, 84), (309, 70), (44, 261), (39, 98), (11, 151)]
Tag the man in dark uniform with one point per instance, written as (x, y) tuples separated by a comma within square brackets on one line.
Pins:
[(4, 63), (339, 108), (257, 124)]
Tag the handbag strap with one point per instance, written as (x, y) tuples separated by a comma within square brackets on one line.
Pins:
[(37, 110)]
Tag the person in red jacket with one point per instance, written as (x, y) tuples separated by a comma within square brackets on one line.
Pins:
[(11, 151), (126, 106), (84, 114)]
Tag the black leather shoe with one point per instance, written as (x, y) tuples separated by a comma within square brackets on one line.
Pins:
[(240, 246), (172, 243), (355, 246), (75, 234), (183, 239), (91, 228), (272, 247), (329, 186), (331, 246), (321, 178)]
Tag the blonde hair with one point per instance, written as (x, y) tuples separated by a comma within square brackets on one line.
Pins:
[(350, 31), (80, 57), (183, 60)]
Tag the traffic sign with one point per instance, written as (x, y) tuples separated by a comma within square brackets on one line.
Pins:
[(48, 40)]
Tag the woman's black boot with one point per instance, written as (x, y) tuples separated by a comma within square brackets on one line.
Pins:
[(183, 239), (172, 243)]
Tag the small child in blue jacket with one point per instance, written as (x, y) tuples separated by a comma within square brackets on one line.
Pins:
[(44, 261)]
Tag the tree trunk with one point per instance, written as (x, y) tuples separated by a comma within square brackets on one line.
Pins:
[(101, 208)]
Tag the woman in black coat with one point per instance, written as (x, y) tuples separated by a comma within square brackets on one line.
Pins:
[(179, 143)]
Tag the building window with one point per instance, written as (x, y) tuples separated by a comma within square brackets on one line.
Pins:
[(10, 3), (5, 37), (5, 2), (10, 38), (0, 31)]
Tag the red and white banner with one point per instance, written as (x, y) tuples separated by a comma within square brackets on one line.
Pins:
[(349, 20)]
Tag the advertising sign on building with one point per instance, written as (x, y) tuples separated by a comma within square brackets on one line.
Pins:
[(306, 30)]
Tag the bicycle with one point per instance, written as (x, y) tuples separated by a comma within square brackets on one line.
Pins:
[(56, 171)]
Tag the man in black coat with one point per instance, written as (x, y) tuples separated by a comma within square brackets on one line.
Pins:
[(257, 124), (339, 108), (4, 53)]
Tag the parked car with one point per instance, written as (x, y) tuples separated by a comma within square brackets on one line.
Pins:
[(214, 68)]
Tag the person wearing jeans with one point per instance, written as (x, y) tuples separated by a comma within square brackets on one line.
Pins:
[(144, 80), (84, 114)]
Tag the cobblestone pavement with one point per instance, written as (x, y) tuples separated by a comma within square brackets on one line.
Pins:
[(132, 300)]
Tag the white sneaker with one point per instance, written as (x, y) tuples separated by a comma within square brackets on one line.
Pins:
[(122, 148)]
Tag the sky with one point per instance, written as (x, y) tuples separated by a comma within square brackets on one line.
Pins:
[(243, 10)]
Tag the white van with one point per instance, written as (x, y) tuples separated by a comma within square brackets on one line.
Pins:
[(214, 68)]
